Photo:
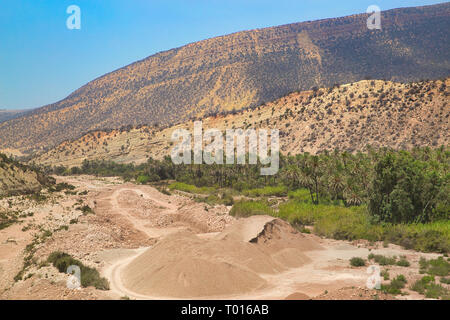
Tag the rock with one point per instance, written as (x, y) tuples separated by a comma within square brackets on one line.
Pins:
[(11, 240)]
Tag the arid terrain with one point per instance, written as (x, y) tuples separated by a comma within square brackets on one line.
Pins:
[(151, 245), (352, 188), (348, 117)]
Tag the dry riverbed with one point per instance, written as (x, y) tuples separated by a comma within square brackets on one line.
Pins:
[(151, 245)]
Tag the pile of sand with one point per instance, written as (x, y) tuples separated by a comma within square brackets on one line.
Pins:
[(184, 266)]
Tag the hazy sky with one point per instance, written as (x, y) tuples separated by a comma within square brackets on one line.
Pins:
[(42, 61)]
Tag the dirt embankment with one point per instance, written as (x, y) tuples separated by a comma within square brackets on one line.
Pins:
[(185, 266)]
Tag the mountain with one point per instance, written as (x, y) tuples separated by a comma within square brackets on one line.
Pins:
[(6, 115), (244, 69), (348, 117)]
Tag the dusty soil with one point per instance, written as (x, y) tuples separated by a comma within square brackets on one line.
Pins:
[(155, 246)]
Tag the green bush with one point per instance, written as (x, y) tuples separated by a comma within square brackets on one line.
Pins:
[(89, 276), (86, 210), (403, 262), (382, 260), (420, 286), (60, 187), (395, 286), (7, 219), (357, 262), (435, 267), (143, 179), (405, 189), (445, 280), (430, 289), (227, 199)]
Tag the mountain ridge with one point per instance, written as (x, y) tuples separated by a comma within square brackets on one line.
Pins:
[(347, 117)]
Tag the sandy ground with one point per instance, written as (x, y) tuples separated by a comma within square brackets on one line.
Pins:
[(155, 246)]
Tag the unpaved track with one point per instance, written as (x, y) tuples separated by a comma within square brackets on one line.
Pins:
[(109, 201), (311, 279), (139, 224), (113, 274)]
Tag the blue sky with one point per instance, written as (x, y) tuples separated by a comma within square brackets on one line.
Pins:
[(41, 61)]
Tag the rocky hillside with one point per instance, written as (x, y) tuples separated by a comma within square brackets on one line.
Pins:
[(6, 115), (244, 69), (16, 178), (347, 117)]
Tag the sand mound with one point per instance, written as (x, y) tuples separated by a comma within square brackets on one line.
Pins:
[(245, 229), (277, 235), (183, 265), (297, 296)]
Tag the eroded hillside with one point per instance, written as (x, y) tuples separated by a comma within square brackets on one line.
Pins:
[(16, 178), (347, 117)]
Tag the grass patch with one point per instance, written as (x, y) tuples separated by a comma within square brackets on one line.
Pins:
[(428, 287), (37, 197), (382, 260), (222, 198), (403, 262), (89, 276), (7, 218), (190, 188), (29, 251), (436, 267), (352, 223), (143, 179), (300, 195), (61, 186), (445, 280), (251, 208), (268, 191), (357, 262), (86, 210), (395, 286)]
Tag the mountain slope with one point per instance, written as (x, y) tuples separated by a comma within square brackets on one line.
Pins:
[(6, 115), (244, 69), (348, 117), (16, 178)]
